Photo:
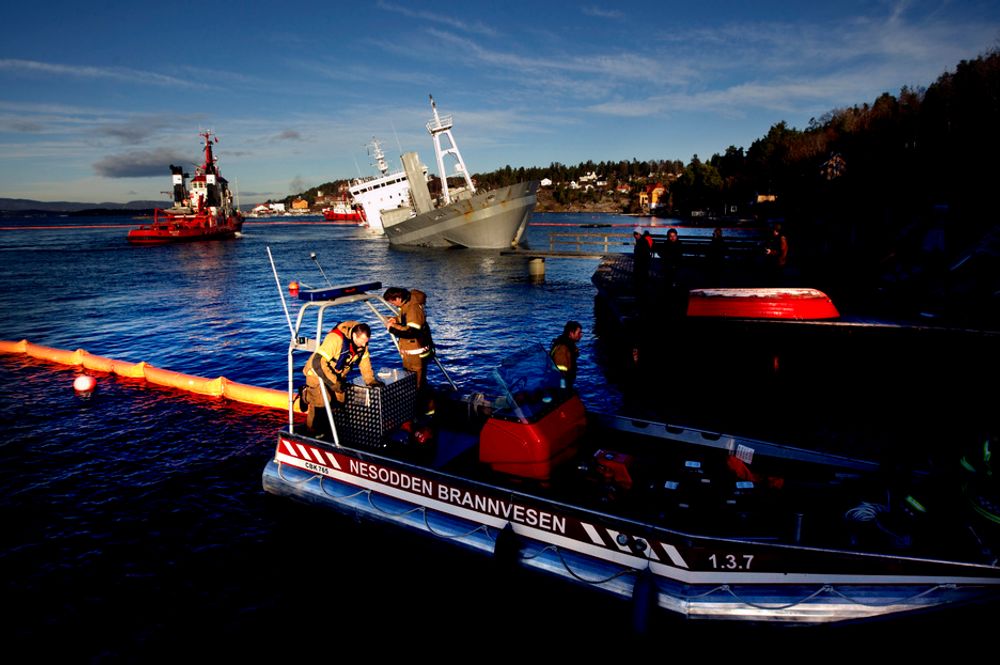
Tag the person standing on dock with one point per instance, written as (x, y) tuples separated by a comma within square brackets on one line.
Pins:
[(565, 352), (641, 256), (716, 256), (776, 252), (671, 252), (345, 347)]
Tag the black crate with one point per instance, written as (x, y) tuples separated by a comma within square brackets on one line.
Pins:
[(369, 413)]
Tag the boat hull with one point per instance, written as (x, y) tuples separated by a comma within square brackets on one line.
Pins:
[(170, 229), (761, 303), (696, 576), (488, 220)]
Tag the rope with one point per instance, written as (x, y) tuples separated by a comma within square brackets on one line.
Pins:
[(865, 512), (389, 512), (281, 474), (481, 527), (950, 587), (826, 589), (322, 486), (726, 588), (576, 575)]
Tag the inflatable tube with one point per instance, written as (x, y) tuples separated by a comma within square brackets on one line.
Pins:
[(129, 370), (61, 356), (275, 399), (98, 363), (218, 387), (13, 347), (194, 384)]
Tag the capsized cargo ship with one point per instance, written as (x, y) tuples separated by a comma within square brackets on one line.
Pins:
[(400, 204), (704, 524)]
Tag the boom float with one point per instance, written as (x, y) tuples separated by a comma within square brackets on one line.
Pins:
[(217, 387)]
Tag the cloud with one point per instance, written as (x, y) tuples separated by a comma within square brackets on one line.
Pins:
[(599, 12), (288, 135), (141, 163), (615, 66), (22, 126), (34, 67), (139, 128), (475, 28)]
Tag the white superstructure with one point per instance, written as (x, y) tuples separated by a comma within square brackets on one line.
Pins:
[(387, 191)]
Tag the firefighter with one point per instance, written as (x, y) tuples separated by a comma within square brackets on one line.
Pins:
[(411, 329), (345, 347), (564, 351)]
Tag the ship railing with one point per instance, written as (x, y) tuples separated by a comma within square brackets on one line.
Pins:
[(608, 243), (444, 122)]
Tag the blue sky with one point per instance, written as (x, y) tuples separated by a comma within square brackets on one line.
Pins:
[(97, 99)]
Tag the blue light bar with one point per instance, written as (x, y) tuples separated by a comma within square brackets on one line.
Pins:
[(334, 292)]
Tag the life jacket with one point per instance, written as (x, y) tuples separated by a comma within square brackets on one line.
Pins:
[(574, 352), (349, 355)]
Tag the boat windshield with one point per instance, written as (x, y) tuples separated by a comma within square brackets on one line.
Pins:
[(527, 381)]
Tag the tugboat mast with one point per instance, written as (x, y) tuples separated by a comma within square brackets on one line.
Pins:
[(438, 126), (209, 165)]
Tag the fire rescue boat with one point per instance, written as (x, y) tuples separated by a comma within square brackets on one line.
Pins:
[(205, 212), (703, 524)]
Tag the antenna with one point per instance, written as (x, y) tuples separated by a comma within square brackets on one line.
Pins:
[(312, 255), (396, 136)]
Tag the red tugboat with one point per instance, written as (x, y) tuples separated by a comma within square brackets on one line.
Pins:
[(342, 211), (206, 212)]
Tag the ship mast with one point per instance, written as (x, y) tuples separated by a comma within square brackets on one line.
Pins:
[(438, 126), (380, 162), (209, 166)]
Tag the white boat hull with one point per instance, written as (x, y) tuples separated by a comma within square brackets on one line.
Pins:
[(488, 220)]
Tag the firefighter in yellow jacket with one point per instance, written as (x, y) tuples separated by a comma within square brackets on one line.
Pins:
[(345, 347), (411, 329), (564, 352)]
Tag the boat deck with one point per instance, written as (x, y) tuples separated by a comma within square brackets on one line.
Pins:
[(693, 482)]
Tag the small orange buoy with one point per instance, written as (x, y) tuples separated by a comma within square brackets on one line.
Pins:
[(293, 288), (84, 383)]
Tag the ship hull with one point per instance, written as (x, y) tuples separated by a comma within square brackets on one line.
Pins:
[(170, 229), (489, 220)]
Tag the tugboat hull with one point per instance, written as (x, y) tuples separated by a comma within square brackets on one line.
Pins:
[(162, 234)]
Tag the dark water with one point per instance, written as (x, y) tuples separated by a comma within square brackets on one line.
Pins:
[(135, 528)]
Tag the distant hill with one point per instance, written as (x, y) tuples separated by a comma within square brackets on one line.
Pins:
[(19, 205)]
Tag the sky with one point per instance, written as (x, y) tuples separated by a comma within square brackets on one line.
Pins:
[(98, 99)]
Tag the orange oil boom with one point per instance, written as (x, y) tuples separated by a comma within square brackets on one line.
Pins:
[(218, 387)]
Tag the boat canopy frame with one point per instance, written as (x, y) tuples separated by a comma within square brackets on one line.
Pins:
[(320, 300)]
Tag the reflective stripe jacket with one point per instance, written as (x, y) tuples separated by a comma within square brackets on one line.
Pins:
[(412, 330), (564, 354)]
